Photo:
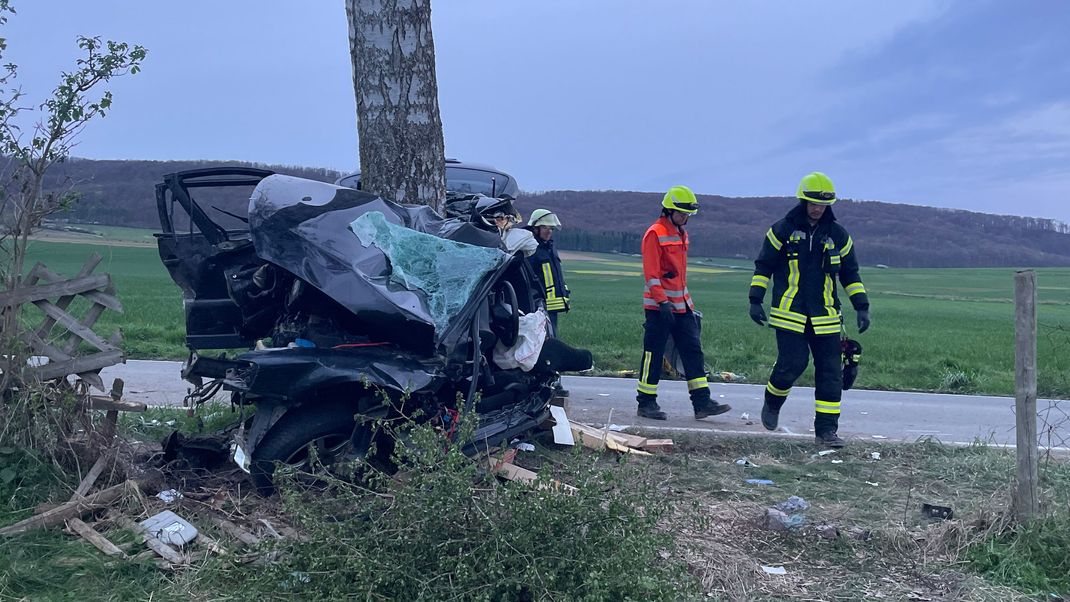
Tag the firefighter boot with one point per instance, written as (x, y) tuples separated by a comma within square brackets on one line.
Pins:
[(649, 408), (705, 406), (771, 409), (829, 439), (770, 417)]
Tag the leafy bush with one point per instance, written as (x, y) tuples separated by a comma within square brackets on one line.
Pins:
[(447, 531)]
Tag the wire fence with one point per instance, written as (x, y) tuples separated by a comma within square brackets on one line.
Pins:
[(1053, 415)]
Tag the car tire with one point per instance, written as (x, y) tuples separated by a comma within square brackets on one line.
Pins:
[(328, 426)]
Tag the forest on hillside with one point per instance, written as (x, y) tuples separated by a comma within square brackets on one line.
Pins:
[(123, 193)]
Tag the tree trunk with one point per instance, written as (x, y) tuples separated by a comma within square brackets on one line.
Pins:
[(402, 155)]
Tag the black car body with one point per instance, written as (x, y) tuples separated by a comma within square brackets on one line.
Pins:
[(368, 309), (463, 178)]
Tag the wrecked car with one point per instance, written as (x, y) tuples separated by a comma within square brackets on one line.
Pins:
[(352, 310)]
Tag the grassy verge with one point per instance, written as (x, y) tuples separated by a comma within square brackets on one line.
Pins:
[(684, 525)]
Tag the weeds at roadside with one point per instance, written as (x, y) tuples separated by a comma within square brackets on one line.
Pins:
[(449, 531)]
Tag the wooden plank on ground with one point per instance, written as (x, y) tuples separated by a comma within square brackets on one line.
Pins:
[(599, 440), (99, 541), (658, 445), (94, 473), (512, 472), (235, 531), (72, 509)]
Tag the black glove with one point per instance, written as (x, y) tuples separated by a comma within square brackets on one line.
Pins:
[(667, 316), (757, 314), (863, 320)]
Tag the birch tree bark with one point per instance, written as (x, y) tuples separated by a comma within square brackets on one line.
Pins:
[(402, 155)]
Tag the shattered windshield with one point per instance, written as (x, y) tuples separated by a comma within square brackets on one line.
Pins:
[(446, 271)]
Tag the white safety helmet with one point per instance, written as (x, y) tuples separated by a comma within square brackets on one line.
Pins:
[(544, 217)]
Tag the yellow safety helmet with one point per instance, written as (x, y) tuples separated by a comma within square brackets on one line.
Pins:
[(816, 187), (680, 198)]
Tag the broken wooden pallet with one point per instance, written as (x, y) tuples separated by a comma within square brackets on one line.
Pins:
[(627, 443)]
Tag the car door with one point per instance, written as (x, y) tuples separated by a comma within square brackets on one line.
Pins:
[(205, 240)]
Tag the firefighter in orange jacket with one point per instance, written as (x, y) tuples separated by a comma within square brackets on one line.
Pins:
[(669, 309)]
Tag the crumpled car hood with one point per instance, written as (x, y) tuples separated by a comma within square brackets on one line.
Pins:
[(401, 266)]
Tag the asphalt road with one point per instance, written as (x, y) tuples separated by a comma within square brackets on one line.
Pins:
[(867, 415)]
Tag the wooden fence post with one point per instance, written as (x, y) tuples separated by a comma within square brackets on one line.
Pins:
[(1026, 503)]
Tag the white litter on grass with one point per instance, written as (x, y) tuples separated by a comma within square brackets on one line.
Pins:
[(875, 455), (562, 429), (879, 437), (837, 461), (775, 570), (826, 452), (872, 483), (169, 495)]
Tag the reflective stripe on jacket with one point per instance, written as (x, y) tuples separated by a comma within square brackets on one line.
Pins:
[(665, 266), (547, 265), (804, 262)]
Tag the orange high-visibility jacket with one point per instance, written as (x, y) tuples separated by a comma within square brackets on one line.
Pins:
[(665, 266)]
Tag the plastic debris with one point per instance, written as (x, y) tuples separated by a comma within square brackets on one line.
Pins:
[(933, 511), (170, 528), (879, 437), (759, 482), (730, 377), (775, 570), (775, 520), (562, 428), (837, 461), (793, 504), (875, 455), (169, 495), (603, 394), (873, 484), (525, 447), (744, 416), (617, 427), (746, 462)]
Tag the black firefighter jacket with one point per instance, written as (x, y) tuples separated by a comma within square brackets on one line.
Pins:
[(547, 265), (804, 262)]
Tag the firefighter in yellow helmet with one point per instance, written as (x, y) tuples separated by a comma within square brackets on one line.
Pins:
[(805, 254), (669, 309)]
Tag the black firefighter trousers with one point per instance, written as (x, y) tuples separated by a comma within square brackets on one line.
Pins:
[(793, 351), (685, 331)]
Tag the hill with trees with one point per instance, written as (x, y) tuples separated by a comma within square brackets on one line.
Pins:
[(122, 193)]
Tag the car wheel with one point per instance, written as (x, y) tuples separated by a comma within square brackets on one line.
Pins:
[(321, 431)]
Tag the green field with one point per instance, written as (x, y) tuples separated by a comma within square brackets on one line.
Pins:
[(933, 329)]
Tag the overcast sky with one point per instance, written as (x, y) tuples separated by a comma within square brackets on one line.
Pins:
[(938, 102)]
